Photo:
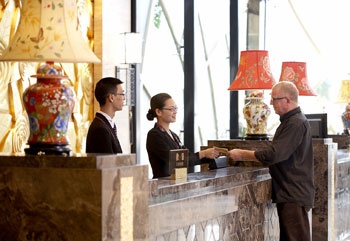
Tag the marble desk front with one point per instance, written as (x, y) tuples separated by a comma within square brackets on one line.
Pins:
[(75, 198), (109, 197), (225, 204)]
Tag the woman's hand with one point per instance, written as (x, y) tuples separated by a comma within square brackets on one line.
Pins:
[(209, 153)]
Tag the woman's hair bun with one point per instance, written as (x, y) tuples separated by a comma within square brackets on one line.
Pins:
[(151, 115)]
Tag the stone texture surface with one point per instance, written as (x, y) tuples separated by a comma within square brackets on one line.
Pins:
[(343, 141), (225, 204), (73, 198), (342, 196), (323, 163), (110, 198), (331, 212)]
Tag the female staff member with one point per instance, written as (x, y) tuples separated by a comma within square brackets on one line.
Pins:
[(160, 139)]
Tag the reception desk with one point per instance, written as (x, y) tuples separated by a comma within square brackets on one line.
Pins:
[(110, 198), (83, 198)]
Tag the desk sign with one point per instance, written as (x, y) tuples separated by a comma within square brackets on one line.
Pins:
[(178, 163)]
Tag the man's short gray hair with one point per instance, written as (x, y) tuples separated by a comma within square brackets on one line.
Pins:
[(289, 89)]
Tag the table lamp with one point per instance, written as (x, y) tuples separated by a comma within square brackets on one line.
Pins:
[(254, 74), (48, 32), (344, 97), (296, 72)]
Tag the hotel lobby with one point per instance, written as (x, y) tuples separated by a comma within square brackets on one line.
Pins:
[(191, 50)]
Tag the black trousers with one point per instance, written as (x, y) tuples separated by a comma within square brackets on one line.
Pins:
[(294, 222)]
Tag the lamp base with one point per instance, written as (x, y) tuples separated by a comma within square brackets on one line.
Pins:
[(47, 149), (256, 113), (345, 117), (257, 137), (49, 104)]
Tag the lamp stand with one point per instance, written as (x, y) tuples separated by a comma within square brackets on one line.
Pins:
[(260, 137), (47, 149), (49, 105), (346, 119), (256, 113)]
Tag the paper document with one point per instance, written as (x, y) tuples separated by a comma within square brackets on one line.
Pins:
[(222, 151)]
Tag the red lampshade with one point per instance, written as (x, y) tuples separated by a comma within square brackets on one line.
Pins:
[(296, 73), (253, 71)]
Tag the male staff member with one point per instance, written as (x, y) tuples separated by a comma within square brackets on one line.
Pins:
[(102, 134)]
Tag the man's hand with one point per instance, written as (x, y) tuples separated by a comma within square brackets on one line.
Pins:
[(241, 155), (235, 154)]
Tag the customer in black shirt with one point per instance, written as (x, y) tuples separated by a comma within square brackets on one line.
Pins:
[(291, 164)]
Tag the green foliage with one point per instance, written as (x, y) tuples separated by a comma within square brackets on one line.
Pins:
[(157, 14)]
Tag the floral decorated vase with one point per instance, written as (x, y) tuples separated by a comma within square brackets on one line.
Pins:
[(49, 105), (346, 119), (256, 113)]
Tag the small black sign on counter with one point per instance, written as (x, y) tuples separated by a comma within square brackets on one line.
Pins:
[(178, 163)]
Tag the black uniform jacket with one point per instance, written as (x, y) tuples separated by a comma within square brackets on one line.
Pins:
[(158, 145), (101, 138)]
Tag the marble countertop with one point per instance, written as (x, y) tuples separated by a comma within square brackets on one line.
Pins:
[(165, 190), (343, 156), (94, 161)]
